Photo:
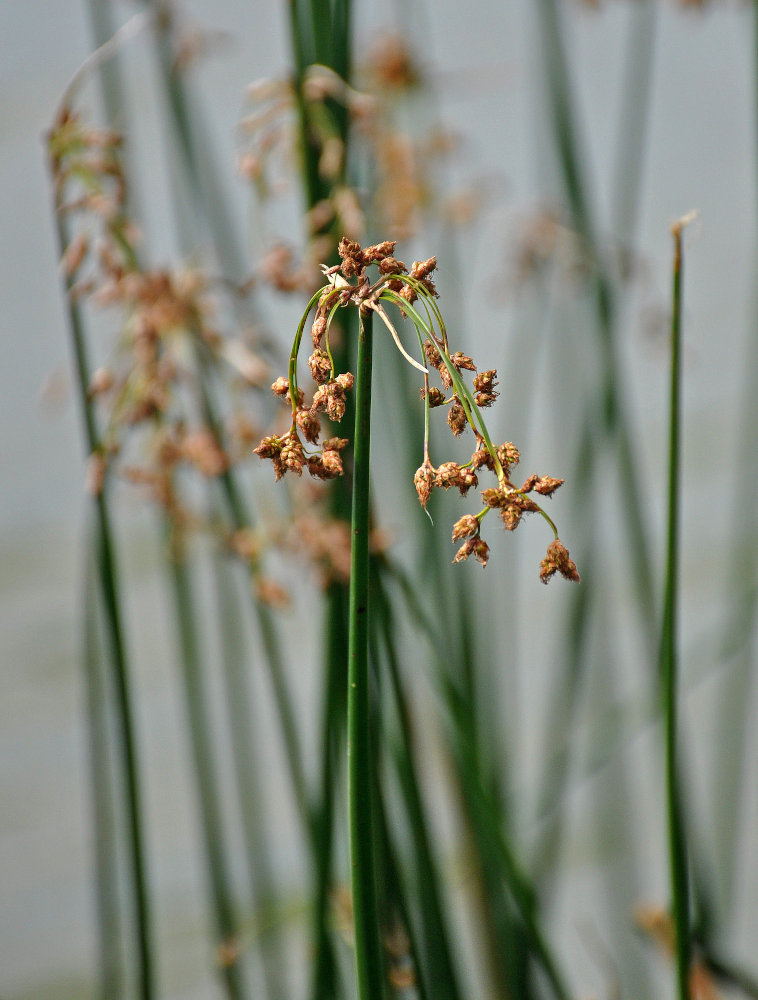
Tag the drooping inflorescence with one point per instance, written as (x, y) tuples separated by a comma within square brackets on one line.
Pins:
[(413, 293)]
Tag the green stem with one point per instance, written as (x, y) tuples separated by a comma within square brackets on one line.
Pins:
[(201, 748), (676, 831), (368, 956), (108, 579), (104, 794)]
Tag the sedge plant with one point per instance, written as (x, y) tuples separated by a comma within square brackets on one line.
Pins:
[(413, 294)]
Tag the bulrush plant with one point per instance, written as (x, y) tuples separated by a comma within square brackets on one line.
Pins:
[(413, 294)]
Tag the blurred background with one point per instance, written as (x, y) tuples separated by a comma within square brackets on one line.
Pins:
[(661, 104)]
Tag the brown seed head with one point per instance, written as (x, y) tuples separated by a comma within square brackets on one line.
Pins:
[(335, 400), (335, 444), (379, 251), (465, 550), (309, 424), (547, 486), (423, 268), (465, 527), (495, 497), (292, 456), (481, 552), (316, 467), (320, 366), (432, 354), (456, 418), (511, 516), (281, 386), (332, 463), (508, 455), (436, 396), (269, 447), (557, 561), (482, 458), (447, 475), (390, 265), (318, 330), (466, 480), (462, 361), (423, 480), (485, 381)]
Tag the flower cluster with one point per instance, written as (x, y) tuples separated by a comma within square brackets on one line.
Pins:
[(510, 501), (412, 292)]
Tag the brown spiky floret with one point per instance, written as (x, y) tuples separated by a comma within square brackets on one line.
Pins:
[(309, 424), (462, 361), (465, 527), (390, 265), (320, 366), (432, 355), (435, 396), (544, 485), (423, 481), (379, 251), (476, 547), (456, 418), (557, 560)]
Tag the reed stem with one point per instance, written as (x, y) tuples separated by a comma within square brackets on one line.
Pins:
[(669, 666), (109, 583), (368, 956)]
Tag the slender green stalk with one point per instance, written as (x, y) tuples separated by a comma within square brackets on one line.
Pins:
[(368, 955), (433, 933), (495, 848), (109, 920), (109, 583), (246, 766), (201, 748), (325, 983), (611, 403), (669, 665)]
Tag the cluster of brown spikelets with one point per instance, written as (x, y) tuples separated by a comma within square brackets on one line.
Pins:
[(349, 284)]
